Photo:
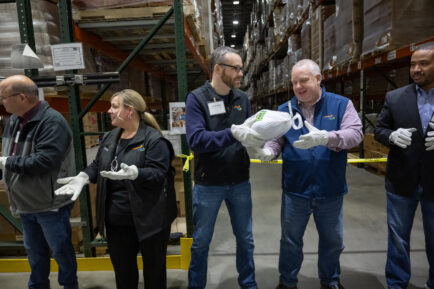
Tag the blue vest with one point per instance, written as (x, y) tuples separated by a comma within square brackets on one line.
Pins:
[(317, 172)]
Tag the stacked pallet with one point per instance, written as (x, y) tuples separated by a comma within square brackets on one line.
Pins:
[(374, 149)]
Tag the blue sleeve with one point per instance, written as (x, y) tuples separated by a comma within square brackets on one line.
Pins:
[(200, 139)]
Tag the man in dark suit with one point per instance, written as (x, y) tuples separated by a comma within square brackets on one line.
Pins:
[(406, 125)]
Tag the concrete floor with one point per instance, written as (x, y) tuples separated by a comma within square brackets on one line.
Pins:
[(362, 262)]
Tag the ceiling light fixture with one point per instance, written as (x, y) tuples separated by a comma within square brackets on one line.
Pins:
[(234, 35), (236, 2), (232, 45), (235, 22)]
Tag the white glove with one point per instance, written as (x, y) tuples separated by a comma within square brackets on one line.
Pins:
[(315, 137), (402, 137), (3, 162), (125, 173), (72, 185), (429, 140), (264, 154), (247, 136)]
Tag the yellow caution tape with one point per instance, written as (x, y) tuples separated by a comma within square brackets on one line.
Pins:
[(279, 162), (350, 161), (188, 158)]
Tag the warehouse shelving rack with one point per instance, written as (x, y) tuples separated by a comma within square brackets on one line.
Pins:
[(71, 32), (375, 64)]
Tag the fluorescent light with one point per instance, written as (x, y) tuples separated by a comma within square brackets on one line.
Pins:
[(234, 35), (235, 22), (236, 2), (232, 45)]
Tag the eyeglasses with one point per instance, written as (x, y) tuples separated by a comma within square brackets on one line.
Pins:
[(236, 68), (10, 95)]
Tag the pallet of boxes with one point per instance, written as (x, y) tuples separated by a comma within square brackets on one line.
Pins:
[(374, 149)]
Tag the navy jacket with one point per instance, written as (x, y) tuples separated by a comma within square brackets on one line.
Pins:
[(44, 153), (219, 158)]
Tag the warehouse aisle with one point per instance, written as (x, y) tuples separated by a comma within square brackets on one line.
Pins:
[(365, 236)]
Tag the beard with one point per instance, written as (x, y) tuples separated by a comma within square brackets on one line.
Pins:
[(230, 82)]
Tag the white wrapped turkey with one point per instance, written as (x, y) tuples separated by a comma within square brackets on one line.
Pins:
[(270, 124)]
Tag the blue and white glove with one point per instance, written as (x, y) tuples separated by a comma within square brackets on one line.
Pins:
[(429, 140), (72, 185), (125, 173), (315, 137), (402, 137)]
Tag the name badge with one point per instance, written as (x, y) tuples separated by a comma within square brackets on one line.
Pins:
[(216, 107)]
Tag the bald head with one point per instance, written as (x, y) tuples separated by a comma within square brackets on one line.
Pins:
[(18, 94), (22, 84)]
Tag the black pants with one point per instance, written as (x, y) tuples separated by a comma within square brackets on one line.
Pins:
[(123, 248)]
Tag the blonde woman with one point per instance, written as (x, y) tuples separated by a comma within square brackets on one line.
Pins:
[(135, 203)]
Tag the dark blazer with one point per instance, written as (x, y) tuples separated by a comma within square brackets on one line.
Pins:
[(406, 168)]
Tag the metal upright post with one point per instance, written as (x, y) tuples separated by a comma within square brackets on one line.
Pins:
[(362, 109), (25, 23), (182, 93), (67, 34)]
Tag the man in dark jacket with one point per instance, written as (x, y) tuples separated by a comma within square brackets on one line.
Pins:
[(36, 151), (406, 125), (215, 113)]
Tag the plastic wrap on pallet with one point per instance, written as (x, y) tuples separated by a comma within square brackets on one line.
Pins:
[(344, 24), (392, 24), (305, 39), (46, 31), (291, 16), (315, 37), (329, 42), (86, 4)]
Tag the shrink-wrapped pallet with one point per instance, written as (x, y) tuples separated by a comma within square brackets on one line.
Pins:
[(329, 42), (317, 34), (305, 40), (344, 23), (46, 31), (392, 24)]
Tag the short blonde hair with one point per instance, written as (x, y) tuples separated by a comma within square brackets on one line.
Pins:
[(132, 98)]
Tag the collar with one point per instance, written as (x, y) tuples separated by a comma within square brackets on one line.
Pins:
[(30, 114), (424, 93), (208, 84)]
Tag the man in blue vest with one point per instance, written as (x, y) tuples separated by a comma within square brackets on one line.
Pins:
[(313, 174), (406, 125), (215, 113)]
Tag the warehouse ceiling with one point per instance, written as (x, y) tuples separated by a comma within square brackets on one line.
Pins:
[(236, 12)]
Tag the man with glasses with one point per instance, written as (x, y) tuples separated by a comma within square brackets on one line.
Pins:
[(36, 151), (215, 113)]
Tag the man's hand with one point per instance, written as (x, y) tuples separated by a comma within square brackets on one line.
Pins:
[(315, 137), (402, 137), (3, 162), (72, 185), (429, 140), (125, 173), (247, 136)]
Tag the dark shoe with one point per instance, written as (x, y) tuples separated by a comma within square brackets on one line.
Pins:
[(327, 286), (281, 286)]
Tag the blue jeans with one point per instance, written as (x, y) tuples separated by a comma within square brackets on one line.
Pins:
[(45, 231), (206, 203), (400, 216), (295, 214)]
